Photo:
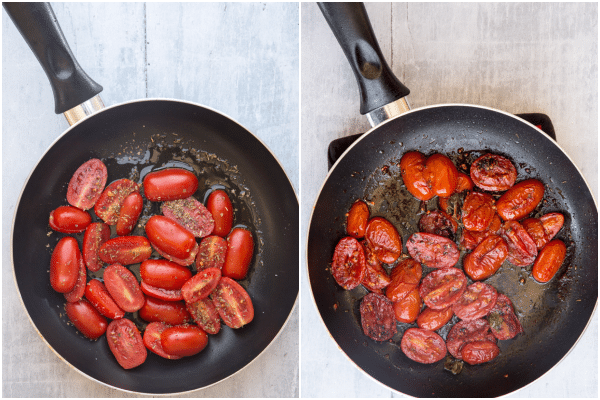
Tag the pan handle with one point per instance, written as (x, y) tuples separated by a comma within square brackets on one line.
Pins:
[(381, 93), (71, 86)]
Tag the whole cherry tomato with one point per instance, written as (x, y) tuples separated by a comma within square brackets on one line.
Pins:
[(191, 214), (151, 338), (405, 277), (69, 219), (129, 213), (233, 303), (123, 288), (169, 184), (86, 319), (96, 234), (126, 343), (240, 249), (407, 310), (170, 237), (479, 352), (486, 259), (87, 183), (384, 239), (549, 260), (377, 317), (109, 204), (478, 211), (184, 340), (64, 265), (219, 205), (433, 251), (164, 274), (349, 264), (433, 320), (169, 312), (493, 172), (543, 229), (357, 219), (125, 250), (520, 200), (423, 346)]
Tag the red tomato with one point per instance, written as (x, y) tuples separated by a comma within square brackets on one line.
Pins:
[(384, 239), (220, 207), (69, 219), (443, 287), (349, 264), (503, 321), (125, 250), (96, 234), (170, 237), (476, 302), (64, 265), (438, 223), (170, 184), (211, 252), (109, 204), (423, 346), (478, 211), (86, 319), (191, 214), (205, 314), (464, 182), (521, 247), (376, 276), (152, 335), (407, 310), (432, 250), (443, 175), (233, 303), (126, 344), (87, 183), (493, 173), (520, 200), (183, 341), (240, 248), (129, 213), (184, 262), (479, 352), (405, 278), (356, 221), (415, 176), (464, 332), (96, 293), (160, 293), (433, 320), (549, 260), (164, 274), (469, 240), (486, 259), (377, 317), (77, 293), (123, 288), (201, 285), (169, 312), (543, 229)]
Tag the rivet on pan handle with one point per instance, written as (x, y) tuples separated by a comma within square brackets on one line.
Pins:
[(382, 95), (71, 86)]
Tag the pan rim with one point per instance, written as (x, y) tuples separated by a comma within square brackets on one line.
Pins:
[(372, 129), (14, 216)]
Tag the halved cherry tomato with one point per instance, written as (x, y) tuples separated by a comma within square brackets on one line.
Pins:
[(543, 229), (522, 250), (405, 277), (219, 205), (151, 338), (64, 265), (191, 214), (433, 320), (479, 352), (164, 274), (126, 344), (96, 234), (423, 346), (443, 175), (96, 293), (357, 219), (376, 276), (486, 259), (464, 332), (233, 303), (438, 223), (123, 288), (170, 184), (503, 321), (549, 261), (169, 312), (476, 302), (469, 240), (520, 200), (125, 250), (384, 239), (493, 172), (240, 248), (464, 182), (478, 211), (79, 289), (201, 285), (129, 213), (211, 252), (87, 183), (407, 310), (443, 287), (109, 204), (184, 340), (86, 319), (433, 251), (69, 219), (205, 314), (170, 237), (160, 293), (349, 264), (377, 317)]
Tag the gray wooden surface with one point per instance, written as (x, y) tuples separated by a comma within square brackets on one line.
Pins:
[(534, 57), (239, 58)]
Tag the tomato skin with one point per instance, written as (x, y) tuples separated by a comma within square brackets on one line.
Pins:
[(349, 263), (169, 312), (522, 250), (384, 239), (414, 175), (438, 223), (205, 315), (434, 251), (164, 274), (129, 213), (86, 319), (219, 205), (126, 344), (469, 239), (520, 200), (123, 288), (79, 289), (170, 237), (478, 211), (476, 302), (86, 184), (443, 175), (233, 303), (125, 250), (443, 287), (493, 173), (160, 293), (433, 320), (479, 352), (98, 296), (543, 229), (486, 259), (64, 265), (423, 346), (377, 317), (464, 182), (211, 252), (69, 219), (151, 338), (240, 249), (376, 276), (169, 184), (96, 234), (405, 277), (109, 204), (549, 261), (407, 310), (201, 285), (357, 219), (191, 214), (464, 332), (183, 341)]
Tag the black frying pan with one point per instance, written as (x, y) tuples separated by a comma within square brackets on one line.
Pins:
[(133, 138), (553, 315)]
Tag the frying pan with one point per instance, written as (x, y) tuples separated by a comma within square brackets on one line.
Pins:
[(132, 138), (553, 315)]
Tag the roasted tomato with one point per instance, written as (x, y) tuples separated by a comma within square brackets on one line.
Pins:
[(522, 250), (126, 344), (377, 317), (479, 352), (464, 332), (86, 319), (549, 260), (486, 259), (433, 251), (423, 346), (503, 321), (96, 293), (478, 211), (164, 274), (87, 183), (184, 340), (129, 213), (407, 310), (219, 205), (543, 229), (376, 277), (205, 314), (438, 223), (384, 239), (123, 288), (125, 250), (476, 302), (349, 264), (357, 219), (493, 172), (79, 289), (240, 249), (169, 184), (69, 219), (443, 287), (443, 175), (151, 338), (469, 240), (520, 200), (433, 320), (425, 178), (170, 237), (191, 214), (109, 204), (405, 277), (233, 303), (211, 252), (64, 265), (464, 183), (96, 234), (169, 312), (200, 285)]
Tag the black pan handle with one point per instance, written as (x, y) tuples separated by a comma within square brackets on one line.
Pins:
[(38, 25), (377, 83)]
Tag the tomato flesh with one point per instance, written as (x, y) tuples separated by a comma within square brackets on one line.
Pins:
[(87, 183), (123, 288), (191, 214), (152, 339), (349, 264), (109, 204), (126, 344), (96, 293), (211, 252), (96, 234), (233, 303)]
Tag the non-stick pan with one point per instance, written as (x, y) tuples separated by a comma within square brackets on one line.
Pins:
[(553, 315), (132, 139)]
